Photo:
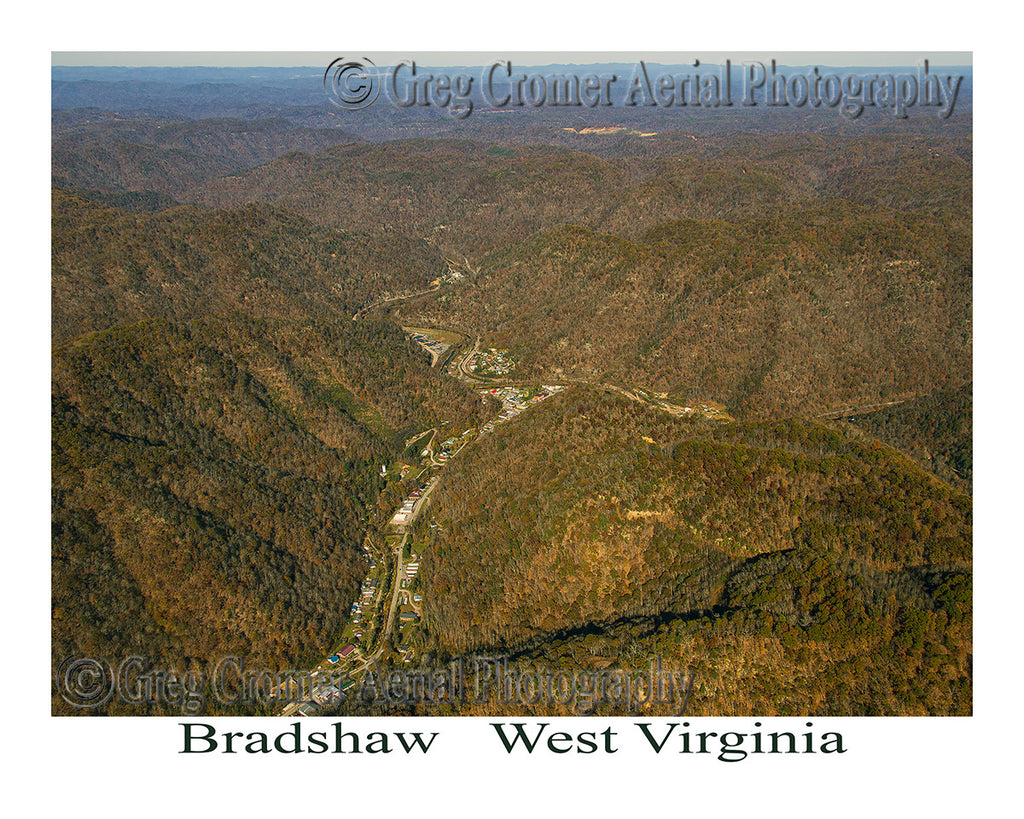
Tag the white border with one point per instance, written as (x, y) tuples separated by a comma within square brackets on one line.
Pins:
[(938, 767)]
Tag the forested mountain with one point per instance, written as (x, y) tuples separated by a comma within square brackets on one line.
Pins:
[(791, 568), (799, 632), (110, 266), (212, 481), (936, 430), (571, 515), (218, 426), (807, 311), (475, 197), (472, 198), (113, 153)]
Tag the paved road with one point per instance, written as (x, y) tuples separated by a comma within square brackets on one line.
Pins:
[(464, 372), (394, 598), (397, 576)]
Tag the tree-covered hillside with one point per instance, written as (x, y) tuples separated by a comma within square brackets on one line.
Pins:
[(472, 198), (807, 311), (111, 266), (788, 539), (213, 482)]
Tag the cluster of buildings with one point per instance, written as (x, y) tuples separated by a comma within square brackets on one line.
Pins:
[(449, 447), (325, 688), (705, 409), (445, 450), (492, 362), (325, 694), (407, 617), (371, 558), (405, 514), (513, 401), (403, 517), (367, 597), (451, 275), (341, 655)]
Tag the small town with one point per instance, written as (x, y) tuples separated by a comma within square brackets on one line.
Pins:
[(388, 611), (386, 618)]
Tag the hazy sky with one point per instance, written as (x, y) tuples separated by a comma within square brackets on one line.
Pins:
[(457, 58)]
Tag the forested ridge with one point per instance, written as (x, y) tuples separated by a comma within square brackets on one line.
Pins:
[(801, 632), (111, 266), (212, 481), (596, 522), (97, 151), (473, 198), (805, 311), (936, 430)]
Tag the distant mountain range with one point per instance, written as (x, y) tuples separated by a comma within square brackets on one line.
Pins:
[(299, 95)]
